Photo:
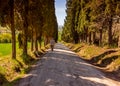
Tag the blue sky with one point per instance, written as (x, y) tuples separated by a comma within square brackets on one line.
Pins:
[(60, 11)]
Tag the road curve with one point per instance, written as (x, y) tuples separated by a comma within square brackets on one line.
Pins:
[(63, 67)]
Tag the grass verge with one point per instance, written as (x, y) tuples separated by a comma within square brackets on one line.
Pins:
[(13, 69), (107, 58)]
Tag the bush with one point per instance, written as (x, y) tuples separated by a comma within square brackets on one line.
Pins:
[(5, 38)]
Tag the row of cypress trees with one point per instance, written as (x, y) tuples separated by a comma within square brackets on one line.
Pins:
[(92, 21), (34, 20)]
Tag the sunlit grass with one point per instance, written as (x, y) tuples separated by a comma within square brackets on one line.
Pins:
[(90, 51), (13, 69), (86, 51), (6, 48), (97, 55)]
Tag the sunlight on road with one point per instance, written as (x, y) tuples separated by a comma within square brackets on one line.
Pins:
[(66, 51), (27, 75), (106, 81), (69, 75), (82, 63)]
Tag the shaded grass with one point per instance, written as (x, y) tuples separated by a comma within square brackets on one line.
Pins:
[(105, 62), (2, 79), (95, 59)]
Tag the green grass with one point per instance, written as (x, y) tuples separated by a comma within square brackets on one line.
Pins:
[(13, 69), (6, 48)]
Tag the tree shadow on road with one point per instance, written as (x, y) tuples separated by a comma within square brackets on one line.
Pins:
[(68, 70)]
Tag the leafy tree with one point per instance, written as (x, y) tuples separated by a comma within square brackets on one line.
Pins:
[(90, 20), (31, 19)]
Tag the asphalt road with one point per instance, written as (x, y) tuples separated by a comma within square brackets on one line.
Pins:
[(63, 67)]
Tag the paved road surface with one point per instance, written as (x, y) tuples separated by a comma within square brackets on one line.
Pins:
[(64, 68)]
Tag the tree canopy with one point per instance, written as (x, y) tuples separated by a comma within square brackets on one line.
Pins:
[(34, 20), (90, 20)]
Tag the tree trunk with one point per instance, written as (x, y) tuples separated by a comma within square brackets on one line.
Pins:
[(79, 38), (110, 31), (119, 41), (40, 44), (76, 37), (45, 40), (100, 41), (90, 41), (13, 30), (32, 41), (40, 41), (36, 43), (86, 35), (94, 37), (25, 30)]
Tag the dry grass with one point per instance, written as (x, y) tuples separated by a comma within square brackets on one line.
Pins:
[(100, 56)]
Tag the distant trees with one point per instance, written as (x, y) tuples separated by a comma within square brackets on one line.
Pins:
[(35, 21), (90, 20)]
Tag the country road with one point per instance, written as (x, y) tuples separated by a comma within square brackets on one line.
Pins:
[(63, 67)]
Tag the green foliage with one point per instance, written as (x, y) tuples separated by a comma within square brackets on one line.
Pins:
[(39, 22), (36, 21), (70, 33), (5, 38), (90, 20)]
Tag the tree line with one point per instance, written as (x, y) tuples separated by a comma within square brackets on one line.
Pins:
[(93, 22), (34, 21)]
